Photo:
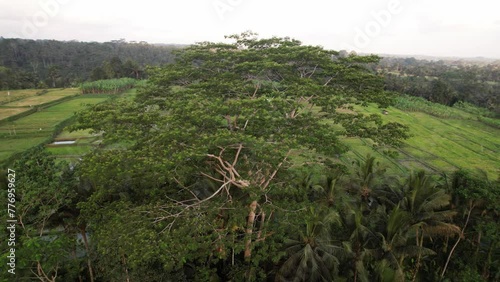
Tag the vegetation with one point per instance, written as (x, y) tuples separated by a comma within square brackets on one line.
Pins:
[(39, 127), (418, 104), (50, 63), (110, 86), (437, 144), (444, 82), (230, 165), (470, 108)]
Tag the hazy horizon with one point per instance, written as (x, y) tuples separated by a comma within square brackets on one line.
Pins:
[(396, 27)]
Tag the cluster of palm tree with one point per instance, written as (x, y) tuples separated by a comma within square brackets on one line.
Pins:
[(369, 227)]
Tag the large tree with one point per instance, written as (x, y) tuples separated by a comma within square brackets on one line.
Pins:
[(211, 142)]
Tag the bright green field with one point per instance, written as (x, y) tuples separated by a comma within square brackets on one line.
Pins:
[(85, 141), (8, 112), (45, 120), (22, 100), (439, 144), (34, 129), (10, 146)]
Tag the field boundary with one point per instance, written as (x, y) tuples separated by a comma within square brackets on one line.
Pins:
[(37, 108)]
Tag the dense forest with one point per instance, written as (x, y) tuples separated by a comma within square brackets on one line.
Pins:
[(225, 167), (51, 63)]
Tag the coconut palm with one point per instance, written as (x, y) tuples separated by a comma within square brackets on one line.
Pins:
[(330, 192), (394, 246), (359, 246), (312, 256), (429, 208), (370, 183)]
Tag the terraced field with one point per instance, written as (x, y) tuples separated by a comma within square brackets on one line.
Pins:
[(14, 95), (16, 102), (50, 96), (26, 132), (437, 144), (85, 140)]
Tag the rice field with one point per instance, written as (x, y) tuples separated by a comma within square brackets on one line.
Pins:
[(46, 119), (48, 97), (10, 146), (441, 144), (14, 95), (8, 112), (36, 128)]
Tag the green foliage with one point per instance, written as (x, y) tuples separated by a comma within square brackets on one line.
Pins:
[(45, 199), (112, 86), (210, 139), (493, 122), (225, 167), (69, 63), (418, 104), (473, 109)]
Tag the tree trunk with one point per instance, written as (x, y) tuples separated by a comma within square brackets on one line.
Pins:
[(420, 244), (124, 260), (250, 221), (87, 250), (458, 240), (486, 267), (262, 221)]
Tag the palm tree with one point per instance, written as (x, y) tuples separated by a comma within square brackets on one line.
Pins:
[(476, 197), (429, 208), (312, 256), (394, 246), (368, 180), (359, 246), (329, 191)]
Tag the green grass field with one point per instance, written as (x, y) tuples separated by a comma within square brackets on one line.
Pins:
[(20, 101), (14, 95), (29, 131), (440, 144), (8, 112), (45, 120), (50, 96), (85, 140)]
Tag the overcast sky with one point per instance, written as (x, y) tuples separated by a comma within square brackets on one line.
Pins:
[(416, 27)]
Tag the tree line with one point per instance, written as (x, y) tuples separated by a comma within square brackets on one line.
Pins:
[(51, 63), (444, 82)]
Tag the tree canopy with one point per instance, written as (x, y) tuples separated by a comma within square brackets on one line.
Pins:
[(212, 139)]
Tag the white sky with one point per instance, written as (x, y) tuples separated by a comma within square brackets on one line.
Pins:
[(413, 27)]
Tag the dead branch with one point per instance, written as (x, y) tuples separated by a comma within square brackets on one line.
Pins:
[(314, 70)]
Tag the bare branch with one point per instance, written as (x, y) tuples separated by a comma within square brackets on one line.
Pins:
[(314, 70), (328, 81), (257, 87), (237, 154)]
